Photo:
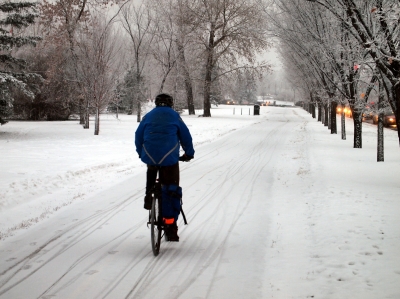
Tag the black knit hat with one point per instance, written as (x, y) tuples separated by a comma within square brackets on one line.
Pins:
[(164, 99)]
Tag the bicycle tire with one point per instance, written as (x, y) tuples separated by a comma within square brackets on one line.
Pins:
[(155, 225)]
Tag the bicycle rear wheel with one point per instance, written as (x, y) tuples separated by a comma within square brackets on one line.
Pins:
[(155, 225)]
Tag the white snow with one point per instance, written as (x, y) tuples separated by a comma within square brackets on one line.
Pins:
[(277, 208)]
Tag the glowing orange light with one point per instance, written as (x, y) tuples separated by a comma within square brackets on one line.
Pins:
[(168, 220)]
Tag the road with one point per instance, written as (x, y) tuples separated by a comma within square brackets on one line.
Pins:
[(272, 212), (369, 121), (100, 248)]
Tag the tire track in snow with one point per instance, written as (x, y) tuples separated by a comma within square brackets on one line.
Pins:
[(213, 211), (87, 225), (240, 210), (210, 253)]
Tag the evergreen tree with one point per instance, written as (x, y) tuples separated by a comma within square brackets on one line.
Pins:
[(132, 91), (13, 78)]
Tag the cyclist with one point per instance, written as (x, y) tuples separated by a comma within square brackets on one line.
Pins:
[(158, 139)]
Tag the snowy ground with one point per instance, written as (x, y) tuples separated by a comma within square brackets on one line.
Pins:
[(277, 208)]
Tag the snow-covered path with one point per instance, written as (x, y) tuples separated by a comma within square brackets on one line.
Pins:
[(271, 215)]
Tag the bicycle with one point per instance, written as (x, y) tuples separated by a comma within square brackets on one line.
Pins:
[(156, 222)]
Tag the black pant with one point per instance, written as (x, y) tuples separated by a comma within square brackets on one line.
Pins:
[(168, 175)]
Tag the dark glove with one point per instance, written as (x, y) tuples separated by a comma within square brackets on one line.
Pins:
[(185, 158)]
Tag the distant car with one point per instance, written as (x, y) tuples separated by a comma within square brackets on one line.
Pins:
[(388, 118), (346, 109), (228, 102), (367, 113)]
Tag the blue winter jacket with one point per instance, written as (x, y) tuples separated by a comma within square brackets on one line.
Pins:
[(159, 136)]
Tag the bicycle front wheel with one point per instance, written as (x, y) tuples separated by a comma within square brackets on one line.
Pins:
[(155, 226)]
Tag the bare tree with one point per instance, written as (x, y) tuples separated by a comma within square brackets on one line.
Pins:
[(163, 45), (173, 37), (335, 57), (333, 54), (231, 31), (61, 20), (136, 21), (374, 25), (183, 41), (97, 50)]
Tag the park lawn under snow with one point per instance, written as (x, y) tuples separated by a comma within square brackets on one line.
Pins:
[(47, 165), (277, 208)]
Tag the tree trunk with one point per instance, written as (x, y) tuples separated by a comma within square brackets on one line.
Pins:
[(138, 112), (207, 93), (329, 115), (130, 107), (87, 115), (313, 109), (357, 119), (187, 80), (209, 67), (97, 122), (343, 121), (333, 117), (396, 93), (380, 145), (81, 111), (326, 120), (319, 112), (322, 114), (162, 83)]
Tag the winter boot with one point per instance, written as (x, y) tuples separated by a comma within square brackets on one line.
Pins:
[(171, 232)]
